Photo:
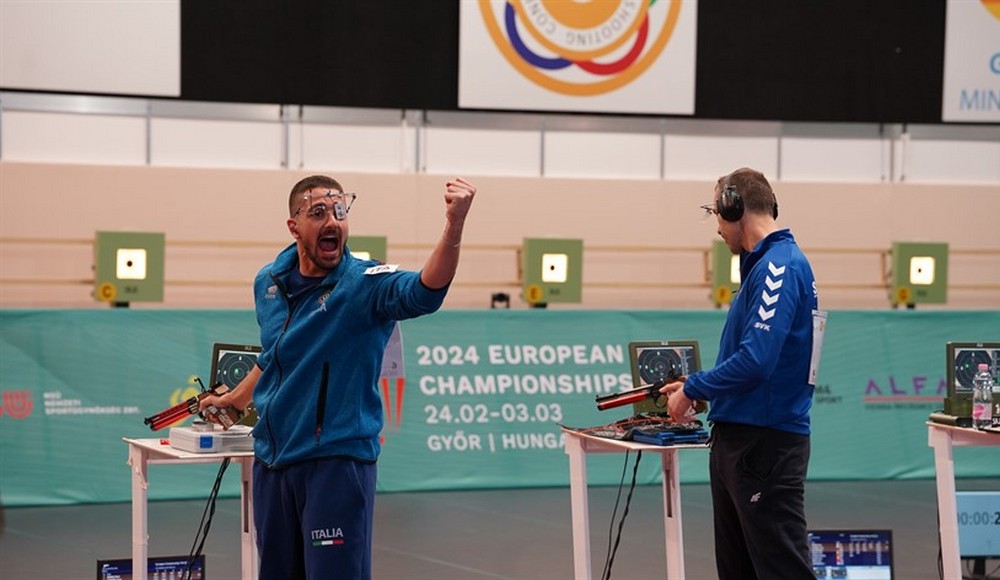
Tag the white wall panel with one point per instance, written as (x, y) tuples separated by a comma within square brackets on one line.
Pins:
[(602, 155), (951, 161), (706, 157), (347, 148), (199, 143), (104, 130), (484, 151), (70, 138), (837, 153)]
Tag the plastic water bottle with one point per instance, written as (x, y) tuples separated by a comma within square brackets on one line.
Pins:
[(982, 398)]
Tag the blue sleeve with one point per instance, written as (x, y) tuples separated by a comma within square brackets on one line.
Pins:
[(756, 341), (261, 286), (401, 295)]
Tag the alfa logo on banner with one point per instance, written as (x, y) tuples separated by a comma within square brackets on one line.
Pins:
[(626, 56)]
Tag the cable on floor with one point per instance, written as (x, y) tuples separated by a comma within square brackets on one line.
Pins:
[(206, 521), (610, 559)]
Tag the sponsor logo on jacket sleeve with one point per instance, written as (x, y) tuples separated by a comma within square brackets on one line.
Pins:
[(381, 269)]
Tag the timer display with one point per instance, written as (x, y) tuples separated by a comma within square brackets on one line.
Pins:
[(978, 524)]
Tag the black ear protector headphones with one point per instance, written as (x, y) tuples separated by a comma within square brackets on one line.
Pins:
[(730, 205)]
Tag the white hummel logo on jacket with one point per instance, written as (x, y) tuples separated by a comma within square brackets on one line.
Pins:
[(770, 296)]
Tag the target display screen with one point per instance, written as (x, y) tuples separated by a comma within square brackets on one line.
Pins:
[(660, 360), (232, 362), (964, 360), (653, 361)]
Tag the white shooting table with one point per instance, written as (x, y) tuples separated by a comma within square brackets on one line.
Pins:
[(578, 445), (944, 438), (144, 452)]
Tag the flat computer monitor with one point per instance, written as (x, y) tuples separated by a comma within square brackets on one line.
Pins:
[(978, 524), (232, 362), (850, 554), (157, 568), (657, 360), (962, 360)]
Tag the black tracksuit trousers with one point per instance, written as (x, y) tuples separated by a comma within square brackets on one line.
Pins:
[(758, 496)]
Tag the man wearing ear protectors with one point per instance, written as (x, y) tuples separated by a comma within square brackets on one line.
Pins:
[(759, 391), (325, 317)]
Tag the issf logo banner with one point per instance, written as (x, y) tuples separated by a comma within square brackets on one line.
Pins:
[(608, 56)]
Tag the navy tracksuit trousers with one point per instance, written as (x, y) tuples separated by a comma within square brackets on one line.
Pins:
[(314, 519)]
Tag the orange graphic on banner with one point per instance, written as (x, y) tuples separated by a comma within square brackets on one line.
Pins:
[(993, 6), (393, 415), (607, 26), (575, 16)]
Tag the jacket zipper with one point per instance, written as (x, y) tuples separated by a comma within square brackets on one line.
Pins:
[(321, 400), (320, 410)]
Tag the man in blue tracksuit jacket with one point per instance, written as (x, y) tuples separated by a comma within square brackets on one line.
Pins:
[(325, 317), (759, 391)]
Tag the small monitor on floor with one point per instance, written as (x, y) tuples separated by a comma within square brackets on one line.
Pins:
[(157, 568), (850, 554), (978, 524)]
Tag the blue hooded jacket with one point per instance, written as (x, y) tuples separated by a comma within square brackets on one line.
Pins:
[(761, 376), (321, 356)]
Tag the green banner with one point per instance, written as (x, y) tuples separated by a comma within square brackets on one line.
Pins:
[(479, 403)]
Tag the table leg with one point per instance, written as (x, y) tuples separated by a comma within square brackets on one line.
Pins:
[(138, 463), (580, 508), (248, 535), (944, 469), (672, 514)]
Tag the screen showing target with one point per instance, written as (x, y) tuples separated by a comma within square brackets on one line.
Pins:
[(654, 361), (964, 360), (232, 362)]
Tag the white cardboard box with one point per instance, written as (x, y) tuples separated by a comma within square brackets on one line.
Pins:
[(200, 440)]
